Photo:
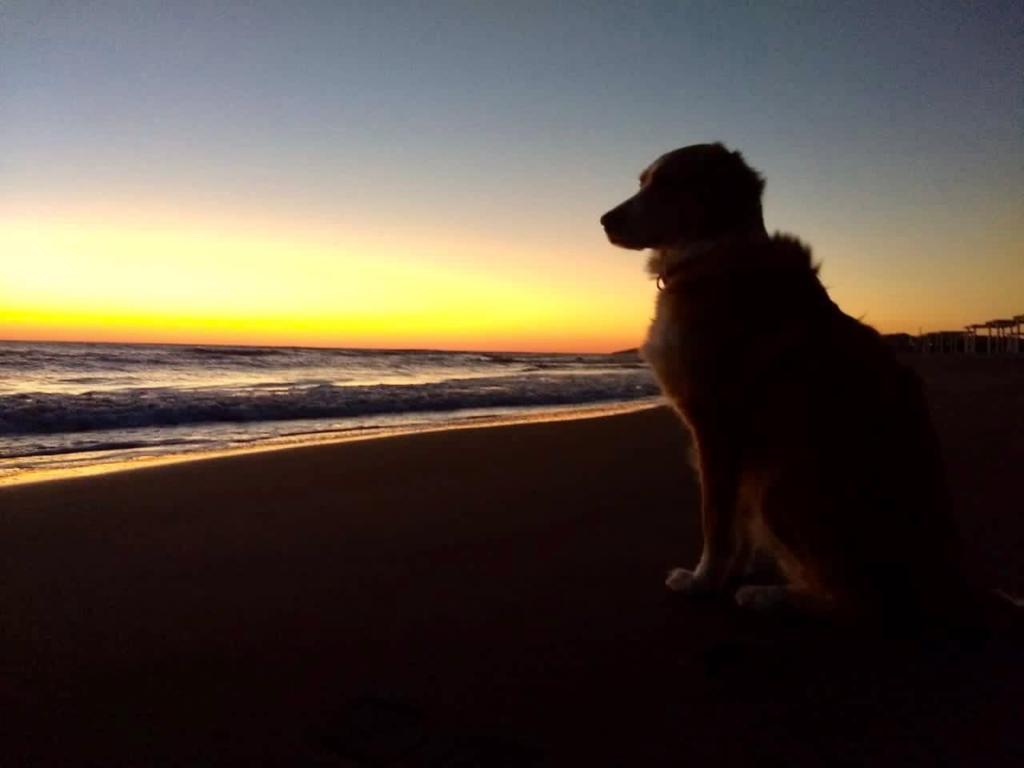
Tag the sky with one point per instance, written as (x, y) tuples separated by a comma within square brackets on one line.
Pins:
[(431, 174)]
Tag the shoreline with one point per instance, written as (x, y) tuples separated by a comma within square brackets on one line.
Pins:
[(115, 465)]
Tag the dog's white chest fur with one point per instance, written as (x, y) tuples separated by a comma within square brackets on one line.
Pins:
[(664, 344), (662, 334), (664, 350)]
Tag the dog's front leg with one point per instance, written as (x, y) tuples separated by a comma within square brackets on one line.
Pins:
[(725, 549)]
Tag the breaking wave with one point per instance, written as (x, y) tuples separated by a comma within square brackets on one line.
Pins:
[(28, 413)]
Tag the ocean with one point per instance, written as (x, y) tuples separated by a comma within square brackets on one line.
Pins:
[(69, 408)]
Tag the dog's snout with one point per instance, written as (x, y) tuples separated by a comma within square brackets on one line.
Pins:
[(618, 226), (610, 219)]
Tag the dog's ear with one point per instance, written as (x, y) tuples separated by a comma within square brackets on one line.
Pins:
[(744, 181), (734, 192)]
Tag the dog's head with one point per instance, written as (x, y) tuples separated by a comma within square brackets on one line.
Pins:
[(698, 193)]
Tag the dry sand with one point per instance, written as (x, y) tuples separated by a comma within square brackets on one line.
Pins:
[(503, 581)]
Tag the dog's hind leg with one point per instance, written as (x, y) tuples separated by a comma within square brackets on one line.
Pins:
[(778, 599), (761, 568)]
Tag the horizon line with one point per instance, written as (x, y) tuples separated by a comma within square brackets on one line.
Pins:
[(310, 346)]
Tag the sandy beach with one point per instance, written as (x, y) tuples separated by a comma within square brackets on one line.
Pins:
[(503, 583)]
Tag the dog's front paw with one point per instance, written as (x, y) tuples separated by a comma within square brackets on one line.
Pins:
[(689, 583)]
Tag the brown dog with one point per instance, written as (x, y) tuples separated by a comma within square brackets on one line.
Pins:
[(813, 443)]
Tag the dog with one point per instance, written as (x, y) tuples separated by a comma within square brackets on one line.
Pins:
[(813, 443)]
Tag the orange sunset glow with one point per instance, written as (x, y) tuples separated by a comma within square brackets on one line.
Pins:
[(158, 281)]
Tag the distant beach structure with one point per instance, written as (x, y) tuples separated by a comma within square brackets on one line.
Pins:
[(1001, 337)]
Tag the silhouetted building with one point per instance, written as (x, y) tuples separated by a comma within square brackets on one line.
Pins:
[(902, 343), (945, 343), (1001, 337)]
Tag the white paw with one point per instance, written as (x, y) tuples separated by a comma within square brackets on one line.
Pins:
[(687, 582), (762, 599)]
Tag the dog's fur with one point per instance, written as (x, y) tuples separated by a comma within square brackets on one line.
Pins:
[(813, 443)]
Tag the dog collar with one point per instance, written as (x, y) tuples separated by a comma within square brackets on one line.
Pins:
[(666, 276), (680, 264), (694, 253)]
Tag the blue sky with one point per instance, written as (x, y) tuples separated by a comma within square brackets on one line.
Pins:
[(892, 135)]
